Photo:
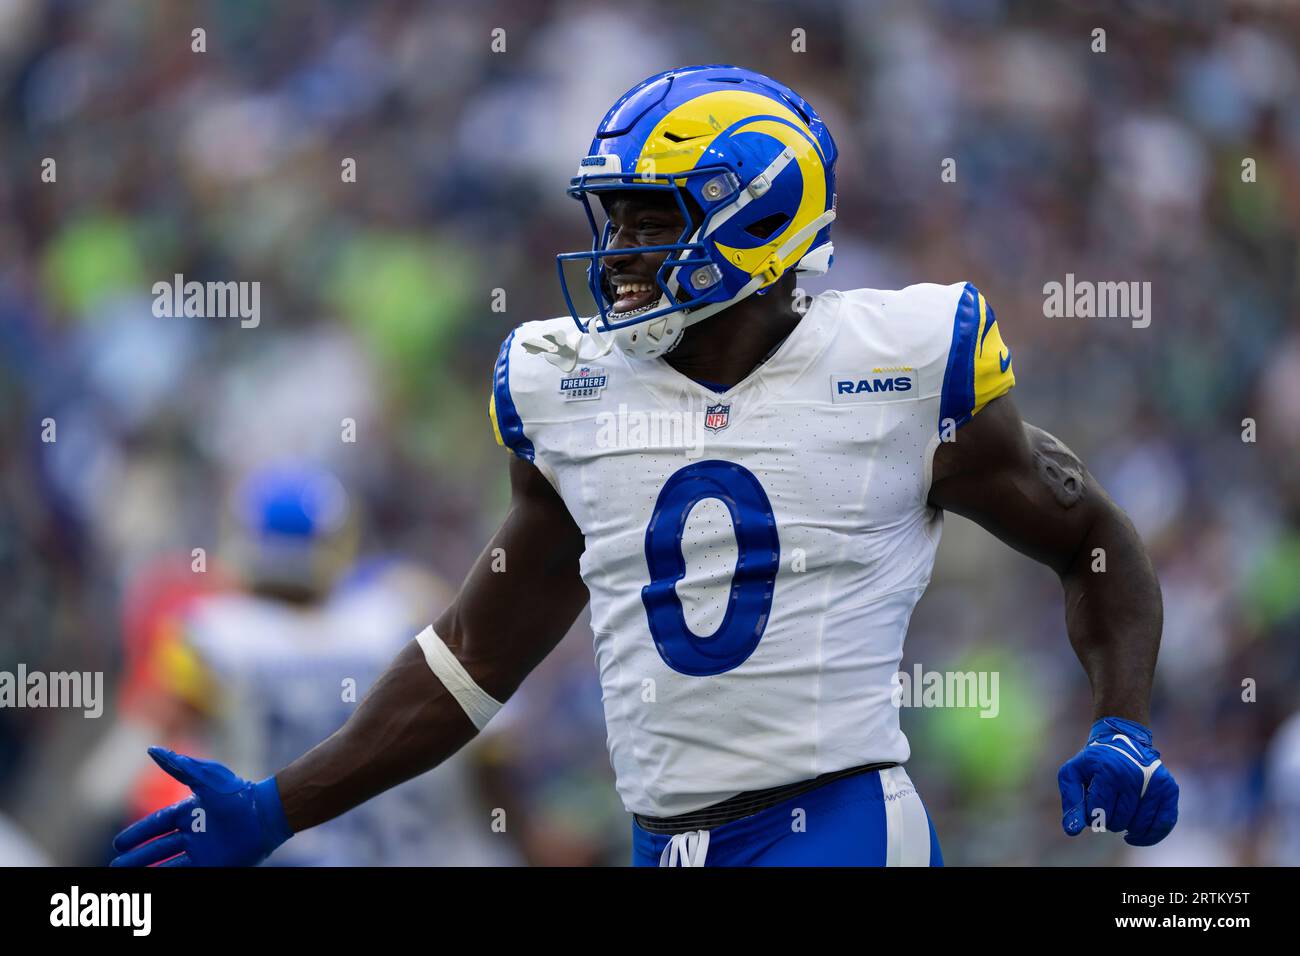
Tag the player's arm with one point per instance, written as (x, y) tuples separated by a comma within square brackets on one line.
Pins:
[(500, 626), (428, 704), (1032, 492)]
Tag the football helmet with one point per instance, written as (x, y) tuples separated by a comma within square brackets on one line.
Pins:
[(759, 165), (294, 529)]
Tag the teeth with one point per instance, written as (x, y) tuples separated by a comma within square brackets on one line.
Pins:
[(648, 307), (625, 287)]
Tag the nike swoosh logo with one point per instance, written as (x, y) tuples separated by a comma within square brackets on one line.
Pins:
[(988, 324), (1147, 772), (1132, 746), (1004, 361)]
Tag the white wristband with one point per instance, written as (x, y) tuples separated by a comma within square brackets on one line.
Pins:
[(478, 704)]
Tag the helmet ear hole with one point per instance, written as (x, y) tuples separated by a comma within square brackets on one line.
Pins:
[(768, 225)]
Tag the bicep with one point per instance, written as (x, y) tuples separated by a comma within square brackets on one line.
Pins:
[(524, 591), (1020, 483)]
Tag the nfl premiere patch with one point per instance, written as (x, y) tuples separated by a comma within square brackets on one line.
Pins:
[(893, 383), (584, 385), (717, 417)]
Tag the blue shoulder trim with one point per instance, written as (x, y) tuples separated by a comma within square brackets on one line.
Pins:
[(508, 420), (957, 399)]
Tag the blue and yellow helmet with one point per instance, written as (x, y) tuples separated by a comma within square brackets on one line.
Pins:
[(759, 164)]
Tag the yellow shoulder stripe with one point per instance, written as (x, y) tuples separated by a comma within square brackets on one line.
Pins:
[(492, 417), (993, 373)]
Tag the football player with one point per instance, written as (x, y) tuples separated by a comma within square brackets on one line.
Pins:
[(751, 568), (258, 673)]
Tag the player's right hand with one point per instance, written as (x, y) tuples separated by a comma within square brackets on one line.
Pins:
[(229, 821)]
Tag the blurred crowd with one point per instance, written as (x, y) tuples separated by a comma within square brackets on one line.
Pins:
[(381, 312)]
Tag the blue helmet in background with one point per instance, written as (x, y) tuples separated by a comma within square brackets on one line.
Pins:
[(294, 529), (756, 160)]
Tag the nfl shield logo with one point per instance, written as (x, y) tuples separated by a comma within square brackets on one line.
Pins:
[(716, 417)]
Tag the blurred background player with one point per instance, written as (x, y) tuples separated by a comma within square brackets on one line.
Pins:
[(254, 673), (1280, 845)]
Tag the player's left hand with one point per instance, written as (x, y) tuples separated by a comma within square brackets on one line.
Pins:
[(1119, 773), (241, 821)]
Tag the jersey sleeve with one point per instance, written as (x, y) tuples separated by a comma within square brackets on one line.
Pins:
[(526, 408), (978, 369), (503, 412)]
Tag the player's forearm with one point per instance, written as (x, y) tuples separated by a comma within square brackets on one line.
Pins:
[(406, 725), (1114, 615)]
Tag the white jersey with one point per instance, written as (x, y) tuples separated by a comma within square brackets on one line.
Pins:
[(753, 556), (288, 677)]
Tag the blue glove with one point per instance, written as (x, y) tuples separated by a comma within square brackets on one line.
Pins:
[(1121, 774), (241, 823)]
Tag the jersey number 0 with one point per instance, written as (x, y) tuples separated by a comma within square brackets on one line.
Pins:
[(757, 562)]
